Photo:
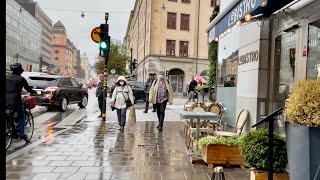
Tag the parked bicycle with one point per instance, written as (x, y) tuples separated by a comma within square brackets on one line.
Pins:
[(12, 121)]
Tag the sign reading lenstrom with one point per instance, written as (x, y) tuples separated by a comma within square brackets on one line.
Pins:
[(249, 57)]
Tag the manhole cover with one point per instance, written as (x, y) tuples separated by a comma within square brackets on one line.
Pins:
[(144, 146)]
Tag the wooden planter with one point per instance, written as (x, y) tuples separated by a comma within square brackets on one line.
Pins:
[(263, 175), (214, 154)]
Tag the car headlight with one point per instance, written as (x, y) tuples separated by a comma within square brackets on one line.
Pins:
[(48, 96)]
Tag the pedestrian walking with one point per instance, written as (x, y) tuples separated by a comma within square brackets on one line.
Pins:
[(191, 90), (160, 94), (147, 90), (122, 96), (99, 93)]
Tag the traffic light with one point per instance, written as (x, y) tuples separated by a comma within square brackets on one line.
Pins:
[(104, 43)]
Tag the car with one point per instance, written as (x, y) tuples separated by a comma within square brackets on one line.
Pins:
[(138, 90), (55, 91), (26, 75)]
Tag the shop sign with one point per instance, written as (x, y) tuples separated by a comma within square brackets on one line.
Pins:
[(249, 57), (237, 13)]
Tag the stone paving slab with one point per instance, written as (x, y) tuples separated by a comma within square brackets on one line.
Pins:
[(97, 150)]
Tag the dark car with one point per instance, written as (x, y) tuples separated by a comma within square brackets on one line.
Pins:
[(58, 91), (138, 90)]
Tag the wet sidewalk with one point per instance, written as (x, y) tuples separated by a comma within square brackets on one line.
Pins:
[(97, 150)]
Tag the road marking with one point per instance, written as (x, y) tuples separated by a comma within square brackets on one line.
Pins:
[(72, 118), (44, 117)]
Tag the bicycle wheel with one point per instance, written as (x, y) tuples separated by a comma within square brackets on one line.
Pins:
[(9, 127), (29, 125)]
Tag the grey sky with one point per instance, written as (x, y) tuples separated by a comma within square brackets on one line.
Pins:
[(79, 29)]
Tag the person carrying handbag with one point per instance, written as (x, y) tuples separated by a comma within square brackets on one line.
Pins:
[(122, 99)]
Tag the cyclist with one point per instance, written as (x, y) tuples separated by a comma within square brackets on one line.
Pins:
[(14, 85)]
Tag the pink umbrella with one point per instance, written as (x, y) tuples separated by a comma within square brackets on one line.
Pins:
[(200, 79)]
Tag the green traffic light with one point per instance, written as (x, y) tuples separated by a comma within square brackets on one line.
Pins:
[(103, 45)]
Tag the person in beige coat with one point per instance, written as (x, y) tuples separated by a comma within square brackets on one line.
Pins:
[(121, 93), (160, 94)]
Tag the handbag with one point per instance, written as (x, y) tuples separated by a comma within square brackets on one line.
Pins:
[(127, 101)]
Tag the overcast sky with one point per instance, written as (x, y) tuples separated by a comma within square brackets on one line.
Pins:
[(79, 29)]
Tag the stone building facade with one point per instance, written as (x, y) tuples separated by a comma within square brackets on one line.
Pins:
[(23, 37), (46, 30), (169, 36)]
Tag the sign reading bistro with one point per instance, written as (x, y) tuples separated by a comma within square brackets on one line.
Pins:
[(249, 57)]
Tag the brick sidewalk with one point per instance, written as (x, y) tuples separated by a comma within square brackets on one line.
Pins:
[(95, 150)]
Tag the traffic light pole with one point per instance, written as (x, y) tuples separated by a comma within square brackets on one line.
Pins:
[(105, 73)]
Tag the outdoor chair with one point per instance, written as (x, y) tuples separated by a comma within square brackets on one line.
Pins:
[(242, 119), (187, 107), (217, 109), (197, 107), (208, 103)]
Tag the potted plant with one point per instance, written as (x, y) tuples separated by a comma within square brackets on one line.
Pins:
[(254, 149), (220, 150), (303, 130)]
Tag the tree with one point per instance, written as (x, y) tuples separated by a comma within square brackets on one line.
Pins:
[(117, 61), (213, 54)]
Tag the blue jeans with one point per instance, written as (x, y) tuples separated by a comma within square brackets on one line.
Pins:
[(21, 116), (122, 114)]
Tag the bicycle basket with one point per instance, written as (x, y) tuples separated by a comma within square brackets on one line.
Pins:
[(30, 102)]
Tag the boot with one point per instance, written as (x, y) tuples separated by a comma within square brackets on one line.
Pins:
[(145, 111), (154, 110), (160, 128), (122, 128)]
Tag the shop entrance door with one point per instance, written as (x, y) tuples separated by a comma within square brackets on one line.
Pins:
[(176, 78), (284, 65)]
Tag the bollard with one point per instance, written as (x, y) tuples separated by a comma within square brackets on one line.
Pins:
[(218, 174)]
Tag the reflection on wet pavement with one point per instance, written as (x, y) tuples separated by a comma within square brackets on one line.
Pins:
[(96, 150)]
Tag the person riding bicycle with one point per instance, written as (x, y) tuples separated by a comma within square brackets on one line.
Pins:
[(14, 85)]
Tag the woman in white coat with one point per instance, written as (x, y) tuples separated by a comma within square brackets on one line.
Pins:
[(121, 93)]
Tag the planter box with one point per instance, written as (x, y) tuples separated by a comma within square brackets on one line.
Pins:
[(222, 154), (303, 146), (263, 175)]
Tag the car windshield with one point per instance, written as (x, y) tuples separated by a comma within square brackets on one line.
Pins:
[(42, 82)]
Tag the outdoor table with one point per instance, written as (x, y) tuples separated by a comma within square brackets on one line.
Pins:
[(199, 115)]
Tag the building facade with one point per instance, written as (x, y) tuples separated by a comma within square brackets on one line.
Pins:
[(274, 51), (169, 36), (46, 31), (71, 59), (59, 43), (23, 37), (85, 65)]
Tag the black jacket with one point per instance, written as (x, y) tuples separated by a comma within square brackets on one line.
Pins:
[(14, 85), (192, 85)]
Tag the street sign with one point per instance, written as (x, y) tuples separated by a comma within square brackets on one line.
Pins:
[(95, 34), (113, 71)]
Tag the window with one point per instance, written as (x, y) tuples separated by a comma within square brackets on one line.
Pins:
[(213, 3), (66, 82), (74, 83), (185, 1), (185, 18), (313, 51), (171, 47), (184, 48), (171, 21)]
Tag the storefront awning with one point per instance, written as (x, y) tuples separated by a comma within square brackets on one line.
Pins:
[(237, 10)]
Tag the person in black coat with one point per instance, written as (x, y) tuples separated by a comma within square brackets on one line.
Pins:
[(193, 84), (14, 85)]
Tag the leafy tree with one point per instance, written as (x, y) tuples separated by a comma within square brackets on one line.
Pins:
[(117, 61), (213, 54)]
